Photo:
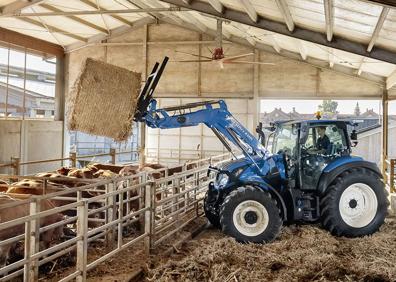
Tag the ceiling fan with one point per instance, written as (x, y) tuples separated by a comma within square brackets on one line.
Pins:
[(218, 55)]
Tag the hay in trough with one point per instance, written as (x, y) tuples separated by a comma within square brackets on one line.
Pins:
[(103, 100), (302, 253)]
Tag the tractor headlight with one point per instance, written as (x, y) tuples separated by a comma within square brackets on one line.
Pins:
[(221, 180)]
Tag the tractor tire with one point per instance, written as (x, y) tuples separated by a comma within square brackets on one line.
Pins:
[(250, 214), (212, 216), (355, 204)]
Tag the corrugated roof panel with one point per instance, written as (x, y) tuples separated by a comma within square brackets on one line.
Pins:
[(377, 67), (64, 23), (267, 8), (387, 36), (26, 28), (386, 43), (308, 14), (105, 21), (355, 19)]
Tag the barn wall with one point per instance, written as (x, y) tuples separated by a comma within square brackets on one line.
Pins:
[(30, 140), (286, 79), (369, 145)]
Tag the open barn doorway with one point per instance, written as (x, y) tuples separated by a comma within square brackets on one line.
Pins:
[(367, 114)]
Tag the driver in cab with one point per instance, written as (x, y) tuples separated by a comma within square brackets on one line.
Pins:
[(322, 143)]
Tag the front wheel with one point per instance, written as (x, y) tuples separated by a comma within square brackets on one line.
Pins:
[(355, 204), (250, 214)]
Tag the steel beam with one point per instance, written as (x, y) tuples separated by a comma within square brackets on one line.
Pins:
[(299, 32), (378, 27), (250, 10), (391, 80), (17, 6), (29, 42), (329, 15), (97, 12), (285, 11)]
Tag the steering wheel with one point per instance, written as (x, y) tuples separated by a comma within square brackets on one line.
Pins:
[(304, 150)]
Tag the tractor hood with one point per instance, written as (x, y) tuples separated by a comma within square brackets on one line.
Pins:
[(266, 166), (234, 164)]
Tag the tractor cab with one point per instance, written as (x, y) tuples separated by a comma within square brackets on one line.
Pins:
[(308, 147)]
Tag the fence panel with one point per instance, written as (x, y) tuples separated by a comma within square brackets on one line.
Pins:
[(136, 210)]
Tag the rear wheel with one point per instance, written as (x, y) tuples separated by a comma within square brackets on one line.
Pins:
[(249, 214), (355, 204)]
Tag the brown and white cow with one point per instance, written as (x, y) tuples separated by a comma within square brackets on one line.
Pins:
[(21, 210), (3, 186)]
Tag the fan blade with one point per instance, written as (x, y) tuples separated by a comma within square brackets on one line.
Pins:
[(194, 55), (191, 61), (237, 56), (246, 62)]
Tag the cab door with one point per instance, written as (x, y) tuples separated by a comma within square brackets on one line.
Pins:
[(314, 158)]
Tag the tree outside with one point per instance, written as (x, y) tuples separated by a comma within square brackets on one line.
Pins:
[(328, 107)]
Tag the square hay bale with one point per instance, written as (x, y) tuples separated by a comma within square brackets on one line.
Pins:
[(103, 100)]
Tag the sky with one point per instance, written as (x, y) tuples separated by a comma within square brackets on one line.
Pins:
[(33, 62), (311, 106)]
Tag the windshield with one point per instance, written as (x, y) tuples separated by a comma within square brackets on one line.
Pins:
[(285, 140)]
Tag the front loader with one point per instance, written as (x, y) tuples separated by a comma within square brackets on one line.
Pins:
[(309, 176)]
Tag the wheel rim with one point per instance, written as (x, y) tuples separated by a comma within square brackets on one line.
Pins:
[(250, 218), (358, 205)]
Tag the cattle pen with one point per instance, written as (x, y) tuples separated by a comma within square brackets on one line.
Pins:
[(104, 212)]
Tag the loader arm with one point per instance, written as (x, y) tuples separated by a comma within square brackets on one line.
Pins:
[(214, 114)]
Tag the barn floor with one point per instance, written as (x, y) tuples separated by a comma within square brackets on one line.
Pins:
[(302, 253)]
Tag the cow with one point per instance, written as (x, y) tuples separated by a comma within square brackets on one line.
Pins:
[(35, 187), (21, 210), (3, 186), (111, 167)]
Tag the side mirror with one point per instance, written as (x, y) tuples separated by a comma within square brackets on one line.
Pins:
[(260, 132), (304, 132), (354, 138)]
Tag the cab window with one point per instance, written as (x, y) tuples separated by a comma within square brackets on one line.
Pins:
[(285, 140), (325, 139)]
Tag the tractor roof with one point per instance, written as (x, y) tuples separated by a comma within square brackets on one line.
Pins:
[(315, 121)]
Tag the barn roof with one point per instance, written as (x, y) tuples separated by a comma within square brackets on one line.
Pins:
[(351, 36)]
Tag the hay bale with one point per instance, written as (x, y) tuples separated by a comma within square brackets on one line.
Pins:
[(103, 100)]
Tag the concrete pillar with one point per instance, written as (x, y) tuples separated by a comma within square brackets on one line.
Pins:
[(60, 89)]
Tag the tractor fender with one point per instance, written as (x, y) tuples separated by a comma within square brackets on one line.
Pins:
[(330, 174), (274, 193)]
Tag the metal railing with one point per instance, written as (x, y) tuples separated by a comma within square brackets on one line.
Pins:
[(169, 155), (162, 206), (16, 164), (389, 174), (166, 156)]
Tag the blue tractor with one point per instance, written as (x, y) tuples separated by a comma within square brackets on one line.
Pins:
[(309, 176)]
